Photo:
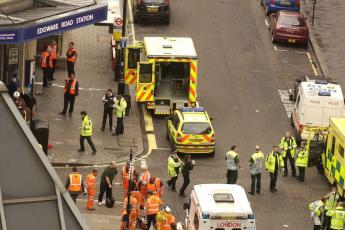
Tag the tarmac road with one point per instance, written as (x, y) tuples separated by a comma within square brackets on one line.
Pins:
[(242, 82)]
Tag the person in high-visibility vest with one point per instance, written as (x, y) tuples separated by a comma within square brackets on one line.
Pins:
[(71, 55), (46, 65), (274, 163), (133, 213), (255, 168), (142, 184), (54, 59), (71, 90), (152, 205), (332, 199), (156, 186), (74, 184), (86, 133), (91, 189), (288, 146), (302, 161), (120, 106), (125, 176), (232, 165), (165, 220), (337, 217), (316, 208), (174, 168)]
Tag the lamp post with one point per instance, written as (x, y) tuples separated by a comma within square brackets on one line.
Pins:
[(121, 83), (128, 208), (312, 20)]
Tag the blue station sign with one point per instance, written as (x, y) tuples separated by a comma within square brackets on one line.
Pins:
[(69, 22)]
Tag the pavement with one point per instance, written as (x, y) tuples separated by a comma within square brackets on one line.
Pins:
[(327, 36), (95, 75)]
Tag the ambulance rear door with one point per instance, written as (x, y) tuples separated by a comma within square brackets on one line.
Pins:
[(131, 64), (145, 82)]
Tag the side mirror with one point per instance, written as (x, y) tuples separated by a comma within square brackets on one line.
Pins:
[(291, 97), (185, 206), (211, 119)]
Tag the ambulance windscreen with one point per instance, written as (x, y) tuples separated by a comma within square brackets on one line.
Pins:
[(223, 197)]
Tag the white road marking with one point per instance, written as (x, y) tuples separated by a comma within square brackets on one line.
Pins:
[(312, 63), (267, 24), (63, 86), (288, 105), (279, 50)]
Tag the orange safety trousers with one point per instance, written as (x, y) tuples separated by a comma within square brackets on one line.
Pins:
[(90, 198)]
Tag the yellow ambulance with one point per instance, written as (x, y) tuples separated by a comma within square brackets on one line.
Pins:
[(164, 71)]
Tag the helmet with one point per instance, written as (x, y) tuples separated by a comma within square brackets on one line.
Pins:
[(16, 94), (166, 209)]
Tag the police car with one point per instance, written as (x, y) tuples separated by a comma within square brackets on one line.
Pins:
[(190, 131)]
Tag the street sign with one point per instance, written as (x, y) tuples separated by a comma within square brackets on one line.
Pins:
[(123, 42)]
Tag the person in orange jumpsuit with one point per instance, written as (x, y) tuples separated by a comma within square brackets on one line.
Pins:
[(134, 213), (91, 189), (165, 220), (142, 185), (152, 205), (125, 176), (135, 192), (156, 186)]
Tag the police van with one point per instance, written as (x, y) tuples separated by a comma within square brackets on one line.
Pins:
[(219, 207), (316, 102)]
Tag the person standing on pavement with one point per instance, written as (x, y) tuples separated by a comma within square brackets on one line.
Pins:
[(316, 208), (288, 146), (156, 186), (232, 162), (75, 184), (46, 65), (91, 189), (133, 213), (71, 55), (174, 168), (108, 100), (165, 219), (120, 106), (187, 166), (255, 168), (86, 133), (332, 199), (274, 162), (142, 184), (54, 59), (302, 161), (152, 204), (337, 216), (71, 90), (106, 183), (125, 176)]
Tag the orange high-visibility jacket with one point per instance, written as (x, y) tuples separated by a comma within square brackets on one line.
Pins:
[(164, 221), (125, 177), (91, 181), (72, 89), (75, 182), (155, 187), (74, 57), (135, 207), (153, 204), (45, 55)]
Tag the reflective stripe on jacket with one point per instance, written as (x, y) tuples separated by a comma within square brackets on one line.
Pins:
[(230, 160), (331, 201), (338, 217), (302, 158), (86, 127), (256, 166), (74, 57), (120, 107), (44, 57), (75, 182), (271, 162), (172, 165), (285, 144), (152, 205), (72, 89)]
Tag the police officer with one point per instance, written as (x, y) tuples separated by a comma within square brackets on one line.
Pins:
[(274, 162), (86, 133), (187, 166), (108, 100), (337, 216), (331, 203), (75, 184), (288, 146), (174, 168), (120, 111), (232, 162), (302, 161), (255, 167)]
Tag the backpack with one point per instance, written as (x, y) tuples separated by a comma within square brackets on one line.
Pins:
[(109, 202)]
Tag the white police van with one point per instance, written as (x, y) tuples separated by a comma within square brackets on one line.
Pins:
[(316, 102), (219, 207)]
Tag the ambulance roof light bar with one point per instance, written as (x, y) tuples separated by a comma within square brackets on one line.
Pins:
[(191, 109)]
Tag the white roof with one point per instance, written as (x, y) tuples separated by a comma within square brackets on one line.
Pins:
[(312, 89), (205, 195), (178, 47)]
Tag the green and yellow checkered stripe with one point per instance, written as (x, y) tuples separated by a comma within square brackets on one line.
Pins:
[(337, 170)]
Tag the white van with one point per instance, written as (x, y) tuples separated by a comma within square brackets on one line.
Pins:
[(219, 207), (316, 102)]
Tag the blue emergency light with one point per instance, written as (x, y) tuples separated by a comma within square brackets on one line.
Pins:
[(321, 82), (190, 109)]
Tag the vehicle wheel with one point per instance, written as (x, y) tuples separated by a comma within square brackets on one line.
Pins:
[(272, 38), (212, 154), (136, 19), (306, 45), (320, 168), (167, 21)]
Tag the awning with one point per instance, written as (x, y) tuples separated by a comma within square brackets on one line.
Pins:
[(43, 21)]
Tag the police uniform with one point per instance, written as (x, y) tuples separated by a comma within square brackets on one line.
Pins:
[(255, 169), (232, 170)]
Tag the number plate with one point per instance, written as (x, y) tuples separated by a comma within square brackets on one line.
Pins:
[(285, 3), (290, 40), (152, 9)]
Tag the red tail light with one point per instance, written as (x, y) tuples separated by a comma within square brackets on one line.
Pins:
[(297, 2), (178, 138), (213, 138), (273, 2)]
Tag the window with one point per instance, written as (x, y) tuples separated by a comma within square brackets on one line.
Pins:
[(341, 150), (145, 73), (176, 121), (290, 21), (333, 145), (196, 221), (297, 100), (133, 58), (196, 128), (44, 42)]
